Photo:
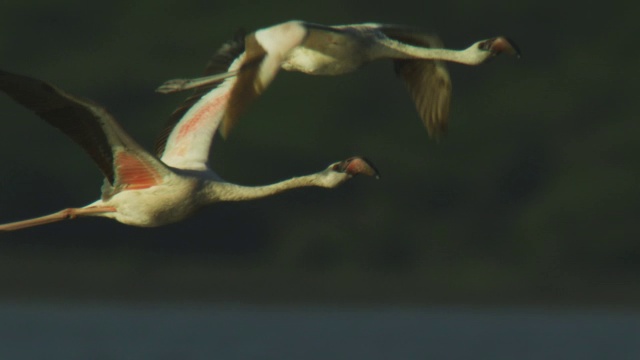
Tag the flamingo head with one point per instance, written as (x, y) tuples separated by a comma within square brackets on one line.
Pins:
[(354, 166), (498, 45)]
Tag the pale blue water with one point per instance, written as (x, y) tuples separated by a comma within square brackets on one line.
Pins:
[(223, 331)]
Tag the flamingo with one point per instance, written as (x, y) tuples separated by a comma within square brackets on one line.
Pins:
[(315, 49), (142, 189)]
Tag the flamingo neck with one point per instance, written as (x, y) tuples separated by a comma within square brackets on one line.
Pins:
[(469, 56), (224, 191)]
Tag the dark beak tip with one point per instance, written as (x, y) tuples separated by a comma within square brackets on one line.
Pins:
[(515, 48)]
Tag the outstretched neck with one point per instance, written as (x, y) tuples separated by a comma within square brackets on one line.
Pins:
[(224, 191), (397, 50)]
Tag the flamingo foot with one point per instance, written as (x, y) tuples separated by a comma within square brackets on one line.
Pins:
[(176, 85)]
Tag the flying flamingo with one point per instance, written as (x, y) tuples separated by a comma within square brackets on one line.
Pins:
[(141, 189), (317, 49)]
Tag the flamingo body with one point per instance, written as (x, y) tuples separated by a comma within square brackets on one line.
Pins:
[(154, 206)]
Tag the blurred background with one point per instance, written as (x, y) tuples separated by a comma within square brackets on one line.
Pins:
[(530, 202)]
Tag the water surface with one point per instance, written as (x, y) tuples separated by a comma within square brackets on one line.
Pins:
[(224, 331)]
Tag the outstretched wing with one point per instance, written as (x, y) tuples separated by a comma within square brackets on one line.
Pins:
[(428, 81), (255, 60), (219, 63), (122, 161)]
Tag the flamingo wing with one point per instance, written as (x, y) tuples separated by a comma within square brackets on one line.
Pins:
[(428, 81), (219, 63), (122, 161), (254, 60)]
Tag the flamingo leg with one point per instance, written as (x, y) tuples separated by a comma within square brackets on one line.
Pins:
[(176, 85), (66, 214)]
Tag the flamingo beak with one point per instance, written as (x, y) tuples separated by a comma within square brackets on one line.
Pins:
[(499, 45), (356, 165)]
